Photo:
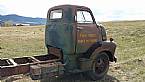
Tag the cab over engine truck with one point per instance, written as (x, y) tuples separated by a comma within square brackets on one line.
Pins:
[(75, 44)]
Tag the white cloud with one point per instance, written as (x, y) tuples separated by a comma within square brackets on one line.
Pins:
[(102, 9)]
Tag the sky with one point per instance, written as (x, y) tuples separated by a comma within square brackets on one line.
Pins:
[(103, 10)]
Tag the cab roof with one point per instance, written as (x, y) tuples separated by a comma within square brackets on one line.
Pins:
[(70, 6)]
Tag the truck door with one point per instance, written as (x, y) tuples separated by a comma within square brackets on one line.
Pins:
[(58, 32), (87, 31)]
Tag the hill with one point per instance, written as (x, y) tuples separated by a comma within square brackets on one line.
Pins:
[(16, 19)]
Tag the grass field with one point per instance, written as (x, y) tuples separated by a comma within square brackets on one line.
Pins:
[(129, 36), (21, 41)]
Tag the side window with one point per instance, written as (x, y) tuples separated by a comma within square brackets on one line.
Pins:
[(84, 17), (56, 14)]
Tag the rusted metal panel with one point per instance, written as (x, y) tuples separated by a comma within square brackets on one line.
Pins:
[(40, 71), (60, 35), (59, 32), (22, 65), (85, 64), (14, 70), (87, 36), (107, 46), (55, 51), (7, 71), (46, 58), (11, 69), (35, 72), (23, 60)]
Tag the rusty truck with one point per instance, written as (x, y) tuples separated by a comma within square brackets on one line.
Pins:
[(75, 43)]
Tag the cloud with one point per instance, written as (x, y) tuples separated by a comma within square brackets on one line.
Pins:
[(103, 10), (3, 10)]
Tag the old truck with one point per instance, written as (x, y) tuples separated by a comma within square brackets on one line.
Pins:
[(75, 43)]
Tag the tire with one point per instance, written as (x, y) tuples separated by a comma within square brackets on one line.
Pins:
[(100, 67)]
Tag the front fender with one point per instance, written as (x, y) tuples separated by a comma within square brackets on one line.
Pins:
[(108, 47)]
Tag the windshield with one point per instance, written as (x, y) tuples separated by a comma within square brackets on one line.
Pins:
[(84, 17)]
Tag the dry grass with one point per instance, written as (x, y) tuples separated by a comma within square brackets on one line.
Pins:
[(129, 36), (21, 41)]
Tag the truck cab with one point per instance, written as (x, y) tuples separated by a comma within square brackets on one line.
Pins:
[(72, 35)]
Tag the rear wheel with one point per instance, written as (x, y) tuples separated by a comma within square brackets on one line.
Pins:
[(100, 67)]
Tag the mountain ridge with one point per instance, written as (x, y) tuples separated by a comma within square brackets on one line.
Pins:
[(17, 19)]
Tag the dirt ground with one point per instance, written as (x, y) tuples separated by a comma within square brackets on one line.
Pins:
[(128, 71)]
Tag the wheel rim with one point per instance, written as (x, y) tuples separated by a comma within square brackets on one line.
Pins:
[(101, 65)]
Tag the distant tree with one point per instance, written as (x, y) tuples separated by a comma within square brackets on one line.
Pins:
[(8, 23)]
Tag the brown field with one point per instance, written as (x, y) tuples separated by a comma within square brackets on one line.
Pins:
[(129, 36)]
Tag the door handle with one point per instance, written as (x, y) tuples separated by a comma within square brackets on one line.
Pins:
[(80, 28)]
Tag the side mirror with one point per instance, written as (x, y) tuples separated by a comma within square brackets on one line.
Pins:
[(111, 39)]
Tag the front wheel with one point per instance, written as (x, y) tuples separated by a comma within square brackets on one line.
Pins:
[(100, 67)]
